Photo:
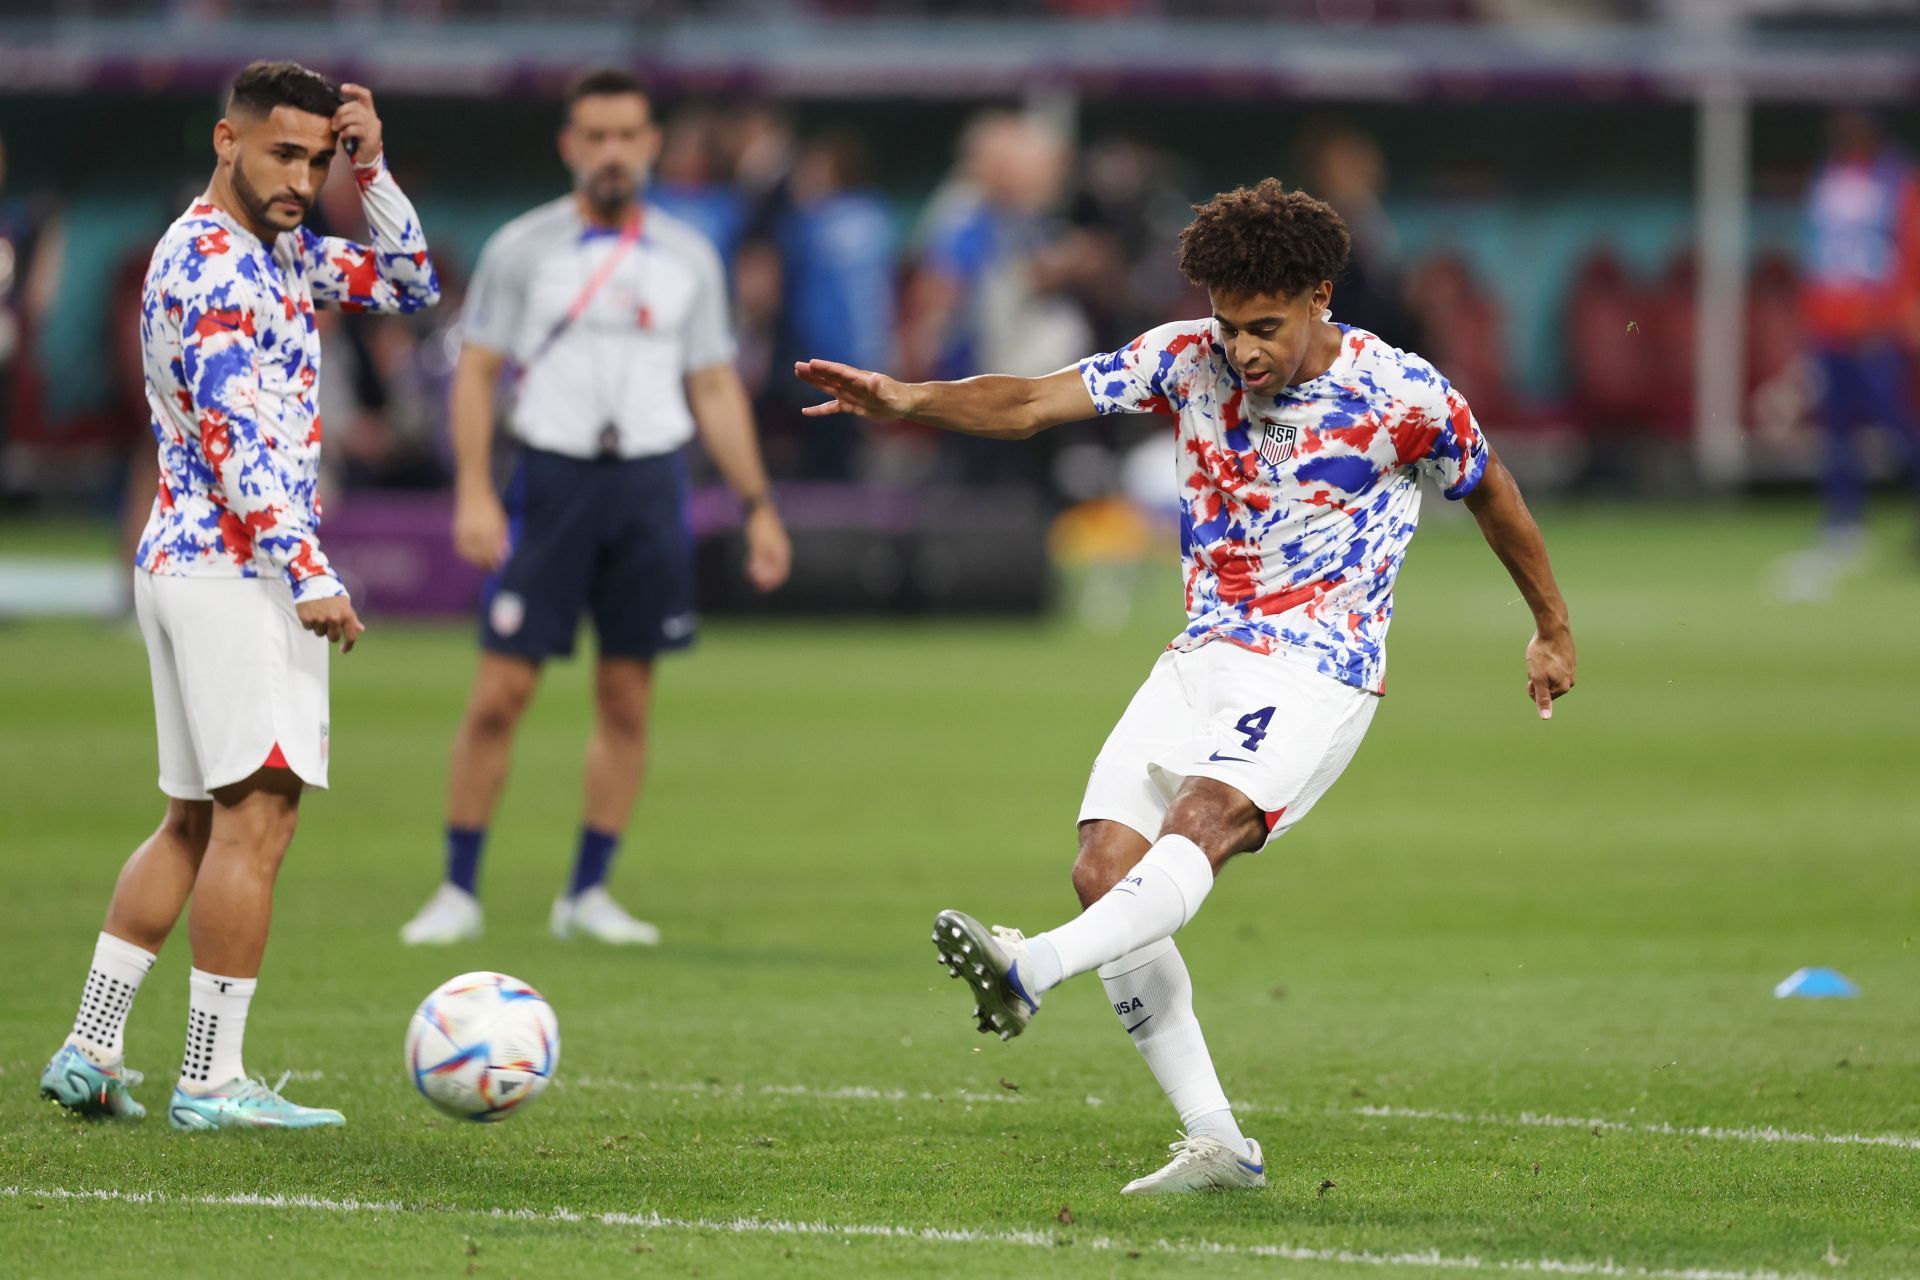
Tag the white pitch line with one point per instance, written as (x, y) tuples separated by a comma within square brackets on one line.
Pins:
[(834, 1093), (1533, 1119), (1430, 1258), (1523, 1120)]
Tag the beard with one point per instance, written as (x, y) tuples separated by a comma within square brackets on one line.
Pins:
[(260, 209), (609, 190)]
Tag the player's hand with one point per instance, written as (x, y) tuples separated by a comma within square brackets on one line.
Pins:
[(333, 618), (357, 125), (1550, 664), (480, 530), (769, 550), (861, 391)]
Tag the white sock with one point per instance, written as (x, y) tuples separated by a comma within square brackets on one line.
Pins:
[(216, 1024), (1220, 1124), (1153, 995), (1043, 970), (1151, 902), (99, 1029)]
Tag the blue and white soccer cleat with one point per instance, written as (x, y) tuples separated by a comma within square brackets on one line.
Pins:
[(86, 1088), (1203, 1164), (990, 962), (246, 1104)]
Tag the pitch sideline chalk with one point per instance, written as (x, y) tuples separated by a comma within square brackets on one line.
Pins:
[(1431, 1258)]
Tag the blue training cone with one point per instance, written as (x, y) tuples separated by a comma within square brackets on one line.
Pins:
[(1817, 984)]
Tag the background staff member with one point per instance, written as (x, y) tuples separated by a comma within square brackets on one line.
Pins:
[(614, 316)]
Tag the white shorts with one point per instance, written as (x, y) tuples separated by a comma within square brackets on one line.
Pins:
[(234, 677), (1272, 728)]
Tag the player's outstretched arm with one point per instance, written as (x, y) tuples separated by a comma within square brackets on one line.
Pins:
[(1510, 530), (993, 406), (394, 273)]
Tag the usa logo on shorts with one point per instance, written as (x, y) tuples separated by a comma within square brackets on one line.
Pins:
[(507, 613), (1277, 445)]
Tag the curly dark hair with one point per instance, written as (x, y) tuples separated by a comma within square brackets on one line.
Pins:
[(1264, 239), (262, 86)]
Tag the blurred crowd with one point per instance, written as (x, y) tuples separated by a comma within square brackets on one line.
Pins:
[(1336, 12), (1033, 252)]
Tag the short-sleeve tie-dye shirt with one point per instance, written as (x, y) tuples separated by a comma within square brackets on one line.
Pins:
[(1296, 509)]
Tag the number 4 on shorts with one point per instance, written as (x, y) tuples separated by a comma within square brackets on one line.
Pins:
[(1254, 725)]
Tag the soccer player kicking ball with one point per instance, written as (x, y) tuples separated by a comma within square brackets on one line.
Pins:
[(235, 600), (1301, 444)]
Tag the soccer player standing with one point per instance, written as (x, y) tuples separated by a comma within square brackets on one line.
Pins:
[(1299, 451), (236, 601), (1860, 307), (613, 316)]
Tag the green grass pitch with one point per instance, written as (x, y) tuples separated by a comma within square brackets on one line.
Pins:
[(1502, 1003)]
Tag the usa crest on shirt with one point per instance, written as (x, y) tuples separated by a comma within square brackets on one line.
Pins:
[(1295, 512), (1276, 446)]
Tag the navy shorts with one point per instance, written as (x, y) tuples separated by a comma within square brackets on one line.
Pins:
[(608, 537)]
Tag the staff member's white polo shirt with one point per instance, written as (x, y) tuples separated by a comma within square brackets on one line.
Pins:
[(660, 314)]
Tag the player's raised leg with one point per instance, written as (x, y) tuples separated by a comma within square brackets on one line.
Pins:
[(503, 687), (1136, 906), (616, 762), (253, 824)]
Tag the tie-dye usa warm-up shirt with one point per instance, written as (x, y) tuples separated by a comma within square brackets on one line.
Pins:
[(1296, 509), (232, 355)]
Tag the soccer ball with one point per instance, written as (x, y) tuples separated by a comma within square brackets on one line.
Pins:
[(482, 1046)]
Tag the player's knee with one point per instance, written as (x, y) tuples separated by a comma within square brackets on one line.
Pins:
[(1218, 818), (1107, 851), (1092, 877), (258, 840), (273, 837), (495, 712), (275, 824), (189, 823), (623, 718)]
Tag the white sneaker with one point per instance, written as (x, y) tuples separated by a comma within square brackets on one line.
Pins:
[(451, 915), (1812, 575), (596, 915), (1203, 1164)]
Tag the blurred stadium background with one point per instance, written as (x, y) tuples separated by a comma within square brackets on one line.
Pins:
[(1588, 212)]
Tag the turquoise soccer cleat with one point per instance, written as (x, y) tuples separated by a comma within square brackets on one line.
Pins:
[(85, 1088), (246, 1104)]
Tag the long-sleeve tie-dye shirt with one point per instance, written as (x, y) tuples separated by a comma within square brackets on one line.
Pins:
[(232, 354), (1296, 509)]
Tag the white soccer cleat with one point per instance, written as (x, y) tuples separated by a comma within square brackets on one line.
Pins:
[(451, 915), (1203, 1164), (991, 964), (596, 915)]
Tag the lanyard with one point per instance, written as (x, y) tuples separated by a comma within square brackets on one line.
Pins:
[(629, 236)]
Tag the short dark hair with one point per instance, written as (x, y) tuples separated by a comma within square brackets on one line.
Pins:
[(1264, 239), (602, 82), (262, 86)]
